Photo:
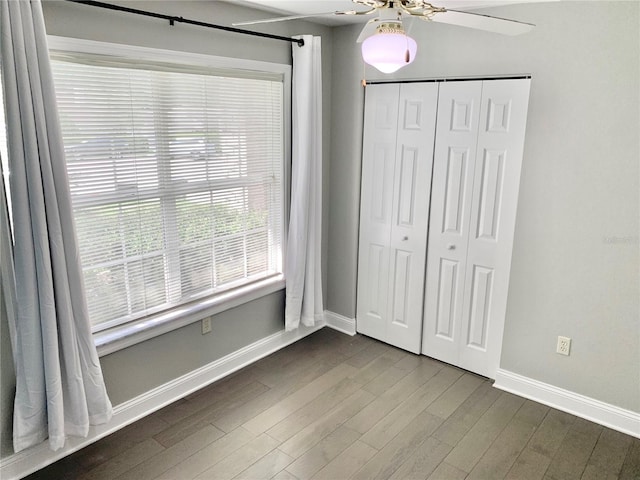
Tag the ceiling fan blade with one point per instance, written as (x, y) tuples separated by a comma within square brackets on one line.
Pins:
[(368, 30), (308, 15), (482, 22), (290, 17)]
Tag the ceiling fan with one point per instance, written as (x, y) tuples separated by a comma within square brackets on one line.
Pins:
[(386, 46)]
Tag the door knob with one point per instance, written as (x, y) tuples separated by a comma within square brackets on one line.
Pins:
[(451, 246), (405, 238)]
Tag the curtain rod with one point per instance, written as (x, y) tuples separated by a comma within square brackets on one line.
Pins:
[(173, 20), (444, 80)]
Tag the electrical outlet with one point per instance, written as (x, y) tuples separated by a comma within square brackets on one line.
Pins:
[(564, 345), (206, 325)]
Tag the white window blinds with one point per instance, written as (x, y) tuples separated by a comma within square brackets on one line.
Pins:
[(176, 178)]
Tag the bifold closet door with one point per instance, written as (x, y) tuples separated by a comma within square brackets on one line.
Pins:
[(398, 141), (477, 162)]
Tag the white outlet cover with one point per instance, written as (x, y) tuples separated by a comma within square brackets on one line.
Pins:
[(206, 325), (564, 345)]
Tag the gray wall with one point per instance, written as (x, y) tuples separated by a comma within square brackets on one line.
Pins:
[(579, 186), (139, 368)]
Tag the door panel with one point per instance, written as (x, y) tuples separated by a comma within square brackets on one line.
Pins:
[(477, 162), (493, 214), (376, 257), (491, 181), (396, 181), (454, 160), (401, 287), (380, 191), (480, 311), (407, 190), (455, 190), (412, 189), (376, 203), (446, 309)]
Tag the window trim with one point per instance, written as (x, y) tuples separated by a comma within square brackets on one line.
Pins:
[(116, 338)]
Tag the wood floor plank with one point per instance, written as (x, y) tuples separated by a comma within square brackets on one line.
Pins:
[(308, 464), (473, 445), (347, 463), (199, 419), (466, 416), (530, 465), (366, 356), (267, 467), (313, 410), (401, 416), (207, 457), (609, 453), (571, 458), (124, 461), (410, 362), (455, 396), (119, 442), (241, 459), (197, 401), (447, 472), (400, 448), (315, 432), (225, 385), (274, 376), (551, 432), (284, 475), (534, 460), (423, 461), (591, 472), (64, 469), (385, 403), (296, 352), (503, 453), (631, 465), (385, 380), (351, 345), (373, 369), (156, 465), (231, 418), (298, 399)]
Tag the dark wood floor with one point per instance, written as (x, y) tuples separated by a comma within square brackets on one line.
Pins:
[(336, 407)]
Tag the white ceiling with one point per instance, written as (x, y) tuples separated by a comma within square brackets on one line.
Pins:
[(310, 7)]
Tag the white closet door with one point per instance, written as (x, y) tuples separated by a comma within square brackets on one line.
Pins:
[(496, 182), (471, 237), (454, 161), (378, 165), (391, 274)]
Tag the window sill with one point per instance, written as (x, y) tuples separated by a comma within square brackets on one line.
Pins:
[(124, 336)]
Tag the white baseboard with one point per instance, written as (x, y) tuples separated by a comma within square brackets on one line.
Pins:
[(625, 421), (341, 323), (28, 461)]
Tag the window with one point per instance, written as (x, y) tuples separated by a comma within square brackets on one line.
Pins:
[(176, 171)]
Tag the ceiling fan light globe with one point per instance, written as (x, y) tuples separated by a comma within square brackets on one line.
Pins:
[(388, 51)]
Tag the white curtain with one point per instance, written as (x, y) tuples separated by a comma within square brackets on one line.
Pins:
[(302, 262), (59, 385)]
